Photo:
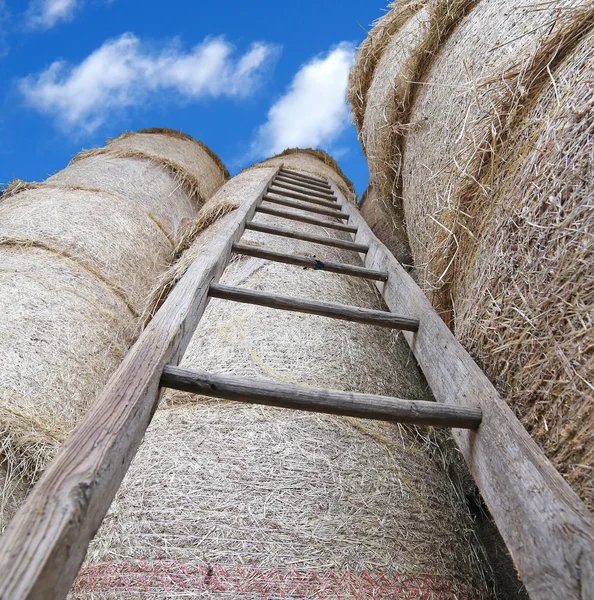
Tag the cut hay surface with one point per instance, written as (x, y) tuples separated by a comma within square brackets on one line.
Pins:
[(523, 287), (63, 332), (140, 181), (448, 112), (126, 253), (190, 154), (220, 483), (371, 51), (79, 256)]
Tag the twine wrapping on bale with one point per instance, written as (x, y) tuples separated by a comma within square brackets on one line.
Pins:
[(79, 254), (235, 494)]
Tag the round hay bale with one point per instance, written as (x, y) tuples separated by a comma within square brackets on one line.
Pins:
[(523, 285), (225, 499), (379, 214), (494, 152), (182, 149), (79, 256), (372, 49), (448, 112)]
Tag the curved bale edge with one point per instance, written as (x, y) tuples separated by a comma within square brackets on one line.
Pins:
[(175, 133), (391, 94), (371, 50), (522, 271), (79, 255)]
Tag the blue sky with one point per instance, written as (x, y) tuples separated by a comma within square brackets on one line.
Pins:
[(247, 78)]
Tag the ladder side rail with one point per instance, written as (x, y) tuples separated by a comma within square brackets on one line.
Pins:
[(45, 544), (546, 527)]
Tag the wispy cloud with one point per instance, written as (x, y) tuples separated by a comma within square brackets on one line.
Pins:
[(313, 112), (44, 14), (123, 73)]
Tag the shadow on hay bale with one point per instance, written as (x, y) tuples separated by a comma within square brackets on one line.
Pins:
[(79, 254), (494, 148), (220, 487)]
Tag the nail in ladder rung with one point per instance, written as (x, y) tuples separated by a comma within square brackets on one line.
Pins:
[(310, 262), (364, 406), (315, 307)]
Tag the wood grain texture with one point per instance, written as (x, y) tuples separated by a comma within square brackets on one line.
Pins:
[(310, 262), (349, 404), (547, 529), (304, 198), (305, 219), (45, 544), (333, 310), (303, 184), (302, 190), (328, 212), (303, 176), (316, 239)]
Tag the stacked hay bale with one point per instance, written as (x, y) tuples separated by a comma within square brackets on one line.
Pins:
[(232, 500), (79, 254), (489, 155)]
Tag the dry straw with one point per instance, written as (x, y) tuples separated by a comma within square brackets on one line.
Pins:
[(493, 165), (79, 255), (225, 485)]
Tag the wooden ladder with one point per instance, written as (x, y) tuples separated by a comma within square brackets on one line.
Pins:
[(547, 529)]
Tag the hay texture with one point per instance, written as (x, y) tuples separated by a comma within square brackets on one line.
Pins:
[(492, 164), (79, 255), (224, 487)]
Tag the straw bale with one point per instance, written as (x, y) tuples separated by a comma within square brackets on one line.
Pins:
[(130, 252), (12, 492), (79, 255), (379, 214), (219, 483), (63, 332), (448, 116), (372, 49), (523, 285), (183, 150)]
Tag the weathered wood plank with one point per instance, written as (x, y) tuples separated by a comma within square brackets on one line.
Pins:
[(336, 213), (302, 190), (333, 310), (348, 404), (548, 530), (310, 262), (303, 176), (303, 184), (45, 544), (306, 237), (305, 198), (283, 214)]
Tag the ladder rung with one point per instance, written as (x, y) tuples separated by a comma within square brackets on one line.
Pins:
[(318, 201), (306, 192), (309, 186), (336, 213), (333, 310), (283, 214), (310, 262), (302, 176), (306, 237), (300, 397)]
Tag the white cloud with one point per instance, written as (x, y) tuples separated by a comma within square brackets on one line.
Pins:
[(314, 111), (124, 73), (44, 14)]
